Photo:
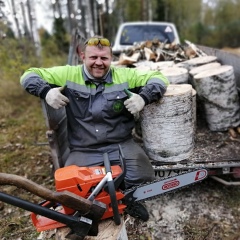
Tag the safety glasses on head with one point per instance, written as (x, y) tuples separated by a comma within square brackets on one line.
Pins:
[(96, 41)]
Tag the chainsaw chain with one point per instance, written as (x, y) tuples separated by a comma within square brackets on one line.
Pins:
[(132, 189)]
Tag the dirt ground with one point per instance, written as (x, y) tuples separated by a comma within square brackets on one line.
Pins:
[(207, 210)]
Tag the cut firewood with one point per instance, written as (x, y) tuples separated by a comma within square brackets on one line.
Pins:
[(216, 89), (190, 53), (149, 54), (232, 132), (125, 60), (161, 51), (238, 130), (194, 50), (159, 55)]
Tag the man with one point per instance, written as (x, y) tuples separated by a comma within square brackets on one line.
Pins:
[(100, 114)]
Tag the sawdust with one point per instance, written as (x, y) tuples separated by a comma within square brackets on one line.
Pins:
[(199, 212)]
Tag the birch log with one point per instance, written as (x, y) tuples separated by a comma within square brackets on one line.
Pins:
[(194, 71), (217, 90), (198, 61), (194, 106), (176, 75), (167, 125)]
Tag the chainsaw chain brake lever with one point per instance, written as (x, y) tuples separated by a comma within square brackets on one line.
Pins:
[(111, 190), (120, 178)]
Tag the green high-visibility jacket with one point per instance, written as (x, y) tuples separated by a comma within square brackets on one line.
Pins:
[(96, 113)]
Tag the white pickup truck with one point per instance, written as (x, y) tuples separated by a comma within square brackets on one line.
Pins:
[(131, 32)]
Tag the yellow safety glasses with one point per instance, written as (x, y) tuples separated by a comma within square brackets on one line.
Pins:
[(96, 41)]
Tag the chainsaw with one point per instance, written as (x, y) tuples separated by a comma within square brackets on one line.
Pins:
[(86, 195)]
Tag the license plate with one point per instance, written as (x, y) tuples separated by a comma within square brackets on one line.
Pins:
[(168, 173)]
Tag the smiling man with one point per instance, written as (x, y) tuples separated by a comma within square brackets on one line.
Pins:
[(100, 114)]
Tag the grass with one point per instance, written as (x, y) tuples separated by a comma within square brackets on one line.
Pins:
[(22, 127)]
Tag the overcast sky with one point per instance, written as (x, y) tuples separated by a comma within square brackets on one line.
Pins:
[(44, 15)]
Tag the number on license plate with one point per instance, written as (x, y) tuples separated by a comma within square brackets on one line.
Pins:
[(167, 173)]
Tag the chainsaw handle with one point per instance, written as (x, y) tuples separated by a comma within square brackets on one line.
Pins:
[(107, 163), (111, 190)]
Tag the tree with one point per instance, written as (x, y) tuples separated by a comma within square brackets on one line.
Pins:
[(60, 35)]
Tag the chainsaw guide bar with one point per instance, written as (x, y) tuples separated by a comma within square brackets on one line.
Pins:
[(153, 189)]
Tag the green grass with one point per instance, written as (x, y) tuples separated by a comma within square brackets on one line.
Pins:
[(22, 126)]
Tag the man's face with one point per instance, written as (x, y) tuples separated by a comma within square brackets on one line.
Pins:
[(97, 60)]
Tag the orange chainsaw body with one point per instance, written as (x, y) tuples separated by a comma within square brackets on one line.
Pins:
[(80, 181)]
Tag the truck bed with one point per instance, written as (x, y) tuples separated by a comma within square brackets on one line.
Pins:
[(213, 150)]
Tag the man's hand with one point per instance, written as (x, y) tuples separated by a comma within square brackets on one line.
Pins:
[(135, 103), (56, 99)]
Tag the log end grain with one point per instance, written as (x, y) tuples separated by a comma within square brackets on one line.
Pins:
[(214, 71), (176, 75), (204, 67), (177, 89)]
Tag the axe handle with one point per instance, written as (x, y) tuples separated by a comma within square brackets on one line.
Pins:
[(68, 199)]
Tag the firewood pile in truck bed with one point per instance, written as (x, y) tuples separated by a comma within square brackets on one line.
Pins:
[(156, 51), (218, 112)]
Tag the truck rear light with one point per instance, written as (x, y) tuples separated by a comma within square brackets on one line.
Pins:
[(236, 172)]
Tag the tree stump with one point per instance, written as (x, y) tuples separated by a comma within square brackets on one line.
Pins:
[(198, 61), (108, 230), (176, 75), (167, 125), (217, 90)]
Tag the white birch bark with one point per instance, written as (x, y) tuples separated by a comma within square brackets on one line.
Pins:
[(167, 126), (217, 90)]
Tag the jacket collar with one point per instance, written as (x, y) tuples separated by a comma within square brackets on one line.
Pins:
[(107, 78)]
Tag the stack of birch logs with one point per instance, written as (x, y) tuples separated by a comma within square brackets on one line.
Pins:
[(168, 126)]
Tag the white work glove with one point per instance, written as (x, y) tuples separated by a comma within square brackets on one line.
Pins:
[(135, 103), (56, 99)]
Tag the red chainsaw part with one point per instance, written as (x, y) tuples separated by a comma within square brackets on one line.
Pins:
[(80, 181)]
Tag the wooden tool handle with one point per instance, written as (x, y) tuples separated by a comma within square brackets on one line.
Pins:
[(65, 198)]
